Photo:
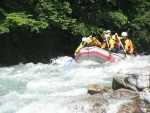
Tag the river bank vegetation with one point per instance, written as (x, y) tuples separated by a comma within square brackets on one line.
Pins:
[(37, 30)]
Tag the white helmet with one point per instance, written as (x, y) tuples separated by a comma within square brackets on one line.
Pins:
[(124, 34), (90, 36), (107, 36), (108, 31), (84, 39), (88, 39)]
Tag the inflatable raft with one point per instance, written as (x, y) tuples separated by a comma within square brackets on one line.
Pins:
[(97, 54)]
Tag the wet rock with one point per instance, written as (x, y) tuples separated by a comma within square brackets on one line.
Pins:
[(89, 105), (125, 94), (133, 79), (120, 101), (129, 107), (130, 94), (148, 108), (137, 80), (145, 101), (99, 89), (132, 103), (118, 81)]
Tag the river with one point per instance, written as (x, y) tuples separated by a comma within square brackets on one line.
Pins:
[(50, 88)]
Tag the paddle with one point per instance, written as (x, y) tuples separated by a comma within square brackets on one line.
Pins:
[(69, 62), (127, 57), (111, 59)]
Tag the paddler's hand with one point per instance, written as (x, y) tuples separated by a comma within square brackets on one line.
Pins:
[(109, 49), (75, 54), (130, 52), (116, 34), (125, 51)]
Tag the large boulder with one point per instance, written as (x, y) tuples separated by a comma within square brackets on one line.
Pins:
[(120, 101), (131, 101), (137, 80), (145, 101), (134, 79), (130, 94)]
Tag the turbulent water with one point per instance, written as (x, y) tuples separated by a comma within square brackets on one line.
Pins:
[(50, 88)]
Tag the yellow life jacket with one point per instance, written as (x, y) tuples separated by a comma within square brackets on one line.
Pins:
[(128, 45)]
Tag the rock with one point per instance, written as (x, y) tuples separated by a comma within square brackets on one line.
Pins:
[(133, 79), (125, 94), (137, 80), (145, 101), (143, 82), (148, 108), (121, 101), (130, 94), (131, 98), (118, 81), (129, 107), (89, 105), (99, 89)]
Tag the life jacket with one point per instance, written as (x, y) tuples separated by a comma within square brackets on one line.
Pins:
[(131, 48), (118, 44), (128, 47), (111, 42), (87, 42), (94, 42)]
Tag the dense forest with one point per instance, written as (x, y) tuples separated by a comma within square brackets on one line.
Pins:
[(37, 30)]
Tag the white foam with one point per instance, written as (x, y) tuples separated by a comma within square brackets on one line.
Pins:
[(46, 88)]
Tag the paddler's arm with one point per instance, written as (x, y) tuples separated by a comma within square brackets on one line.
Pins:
[(111, 44), (78, 49), (117, 37), (103, 45), (97, 42), (102, 35)]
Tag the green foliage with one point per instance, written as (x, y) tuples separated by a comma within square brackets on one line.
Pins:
[(141, 26), (55, 13), (2, 12), (3, 29), (117, 19), (78, 17), (3, 24), (23, 20)]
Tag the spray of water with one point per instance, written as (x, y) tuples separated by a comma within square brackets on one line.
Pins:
[(48, 88)]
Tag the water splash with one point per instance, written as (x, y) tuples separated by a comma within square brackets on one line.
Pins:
[(47, 88)]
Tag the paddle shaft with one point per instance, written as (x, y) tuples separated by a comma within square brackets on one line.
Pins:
[(107, 42), (121, 44), (111, 58)]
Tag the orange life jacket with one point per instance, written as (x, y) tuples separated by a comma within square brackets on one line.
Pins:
[(130, 47)]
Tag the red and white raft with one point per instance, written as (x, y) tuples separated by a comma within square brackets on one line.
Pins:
[(97, 54)]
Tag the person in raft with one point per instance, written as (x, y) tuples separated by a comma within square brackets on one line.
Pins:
[(112, 41), (125, 45), (109, 33), (87, 42)]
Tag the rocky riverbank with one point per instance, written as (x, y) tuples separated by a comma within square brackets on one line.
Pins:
[(130, 93)]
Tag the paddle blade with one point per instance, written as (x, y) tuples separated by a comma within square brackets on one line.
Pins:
[(112, 59), (68, 63)]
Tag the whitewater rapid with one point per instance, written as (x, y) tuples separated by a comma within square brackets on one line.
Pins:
[(50, 88)]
